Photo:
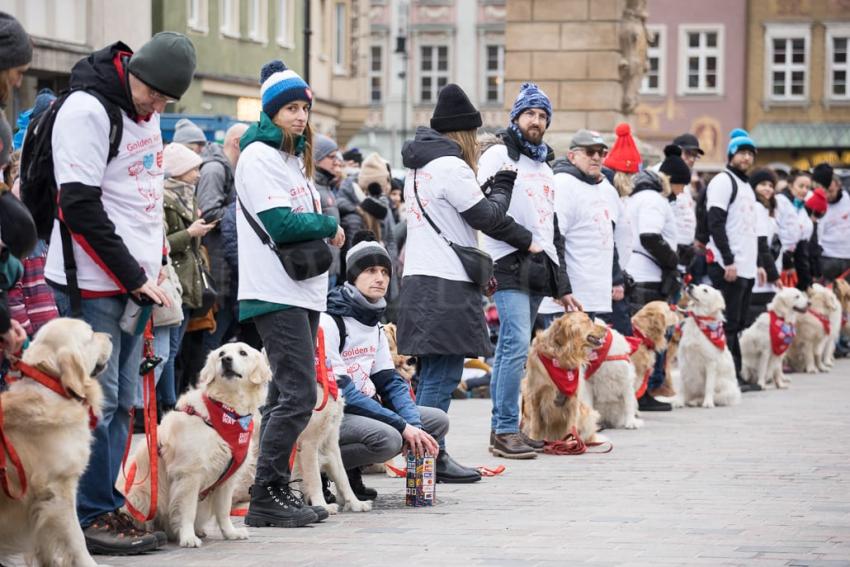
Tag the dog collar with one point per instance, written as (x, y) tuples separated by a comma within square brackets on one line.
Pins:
[(782, 334), (565, 379), (638, 338), (52, 383), (824, 320)]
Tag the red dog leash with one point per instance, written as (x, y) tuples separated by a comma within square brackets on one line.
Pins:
[(572, 444)]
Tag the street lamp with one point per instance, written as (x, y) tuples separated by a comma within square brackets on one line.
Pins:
[(401, 49)]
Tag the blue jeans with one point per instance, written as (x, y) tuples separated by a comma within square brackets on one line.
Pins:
[(97, 494), (439, 375), (517, 311), (166, 388)]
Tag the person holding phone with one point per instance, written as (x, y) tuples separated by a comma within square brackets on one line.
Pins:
[(184, 231)]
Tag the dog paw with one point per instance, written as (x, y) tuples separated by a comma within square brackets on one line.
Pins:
[(331, 508), (692, 403), (200, 533), (236, 533), (781, 386), (190, 540), (359, 506), (708, 404), (634, 424)]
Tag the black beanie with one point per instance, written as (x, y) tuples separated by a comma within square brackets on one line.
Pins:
[(454, 112), (674, 166), (822, 175), (762, 174), (365, 252), (15, 43), (166, 63)]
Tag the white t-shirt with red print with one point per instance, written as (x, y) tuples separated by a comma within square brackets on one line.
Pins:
[(131, 186), (366, 351), (834, 228), (447, 187), (532, 202), (649, 213)]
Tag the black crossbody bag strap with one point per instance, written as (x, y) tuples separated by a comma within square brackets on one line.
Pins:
[(425, 214), (262, 234)]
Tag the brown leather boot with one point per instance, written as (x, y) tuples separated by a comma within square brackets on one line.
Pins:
[(511, 446), (533, 443)]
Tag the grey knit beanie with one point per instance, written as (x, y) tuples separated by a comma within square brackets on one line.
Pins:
[(322, 147), (187, 132), (166, 63), (5, 142), (15, 43), (365, 253)]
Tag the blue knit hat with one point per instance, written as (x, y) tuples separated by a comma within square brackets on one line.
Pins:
[(739, 139), (280, 86), (531, 96)]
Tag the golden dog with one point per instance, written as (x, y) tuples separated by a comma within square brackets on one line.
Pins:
[(651, 323), (547, 413), (52, 437)]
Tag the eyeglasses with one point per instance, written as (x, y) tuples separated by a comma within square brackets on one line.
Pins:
[(592, 152), (159, 97)]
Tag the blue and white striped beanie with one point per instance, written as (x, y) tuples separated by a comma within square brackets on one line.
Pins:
[(531, 96), (280, 86)]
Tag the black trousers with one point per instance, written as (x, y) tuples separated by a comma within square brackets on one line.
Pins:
[(758, 305), (833, 267), (737, 297), (289, 337)]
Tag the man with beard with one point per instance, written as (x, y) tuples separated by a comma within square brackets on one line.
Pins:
[(524, 277)]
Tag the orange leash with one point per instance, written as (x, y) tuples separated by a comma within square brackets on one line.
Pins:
[(149, 409), (572, 444), (321, 370)]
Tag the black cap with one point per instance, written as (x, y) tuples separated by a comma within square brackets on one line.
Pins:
[(674, 166), (762, 174), (353, 155), (688, 142), (454, 112), (166, 63), (822, 175)]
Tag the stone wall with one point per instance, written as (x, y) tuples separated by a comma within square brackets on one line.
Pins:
[(571, 49)]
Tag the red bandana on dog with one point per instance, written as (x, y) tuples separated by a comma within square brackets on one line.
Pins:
[(566, 380), (781, 334), (824, 320), (712, 329), (234, 429), (600, 355), (637, 339)]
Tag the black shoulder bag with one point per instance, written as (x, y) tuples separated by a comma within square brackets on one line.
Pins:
[(477, 264)]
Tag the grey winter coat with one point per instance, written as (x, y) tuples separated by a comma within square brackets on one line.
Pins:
[(215, 191), (323, 181)]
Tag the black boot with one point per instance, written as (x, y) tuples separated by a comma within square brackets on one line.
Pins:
[(648, 403), (452, 472), (277, 505), (326, 490), (748, 386), (355, 479)]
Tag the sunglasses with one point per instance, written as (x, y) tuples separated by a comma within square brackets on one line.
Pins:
[(592, 152)]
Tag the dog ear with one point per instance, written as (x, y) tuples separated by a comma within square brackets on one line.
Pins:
[(208, 372), (262, 373), (72, 371)]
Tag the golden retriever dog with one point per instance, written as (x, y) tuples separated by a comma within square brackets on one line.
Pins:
[(193, 456), (611, 388), (841, 288), (547, 413), (318, 452), (763, 348), (817, 330), (650, 324), (706, 372), (52, 437), (405, 365)]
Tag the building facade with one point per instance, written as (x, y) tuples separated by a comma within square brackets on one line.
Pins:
[(415, 48), (798, 106), (65, 31), (695, 80)]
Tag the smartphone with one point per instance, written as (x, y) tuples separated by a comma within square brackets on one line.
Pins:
[(211, 218)]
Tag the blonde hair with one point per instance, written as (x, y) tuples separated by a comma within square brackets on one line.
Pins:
[(307, 156), (468, 142), (623, 183)]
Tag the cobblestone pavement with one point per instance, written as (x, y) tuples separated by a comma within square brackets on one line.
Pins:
[(764, 483)]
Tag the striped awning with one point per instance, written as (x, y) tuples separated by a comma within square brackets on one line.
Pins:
[(785, 135)]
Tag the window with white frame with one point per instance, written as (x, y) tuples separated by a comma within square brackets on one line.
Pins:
[(376, 73), (701, 60), (257, 20), (285, 23), (197, 19), (494, 67), (787, 54), (837, 61), (340, 28), (228, 17), (653, 79), (433, 71)]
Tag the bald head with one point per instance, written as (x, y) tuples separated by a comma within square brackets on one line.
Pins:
[(231, 141)]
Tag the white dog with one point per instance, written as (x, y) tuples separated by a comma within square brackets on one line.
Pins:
[(51, 434), (765, 342), (611, 383), (198, 471), (817, 331), (706, 368), (318, 452)]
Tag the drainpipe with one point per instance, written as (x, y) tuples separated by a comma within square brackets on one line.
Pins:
[(307, 33)]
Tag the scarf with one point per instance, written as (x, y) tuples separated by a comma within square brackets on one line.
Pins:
[(347, 301), (712, 329), (266, 131), (565, 379), (600, 355), (782, 334), (537, 152)]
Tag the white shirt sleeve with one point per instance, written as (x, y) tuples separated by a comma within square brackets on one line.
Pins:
[(719, 192), (464, 191), (490, 162), (80, 141), (332, 349), (383, 356), (267, 179)]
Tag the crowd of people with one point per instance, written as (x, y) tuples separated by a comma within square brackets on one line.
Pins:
[(277, 232)]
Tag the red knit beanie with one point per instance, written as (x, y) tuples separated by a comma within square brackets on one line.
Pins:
[(624, 156), (817, 202)]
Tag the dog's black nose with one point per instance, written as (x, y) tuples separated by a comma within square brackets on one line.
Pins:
[(227, 361)]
